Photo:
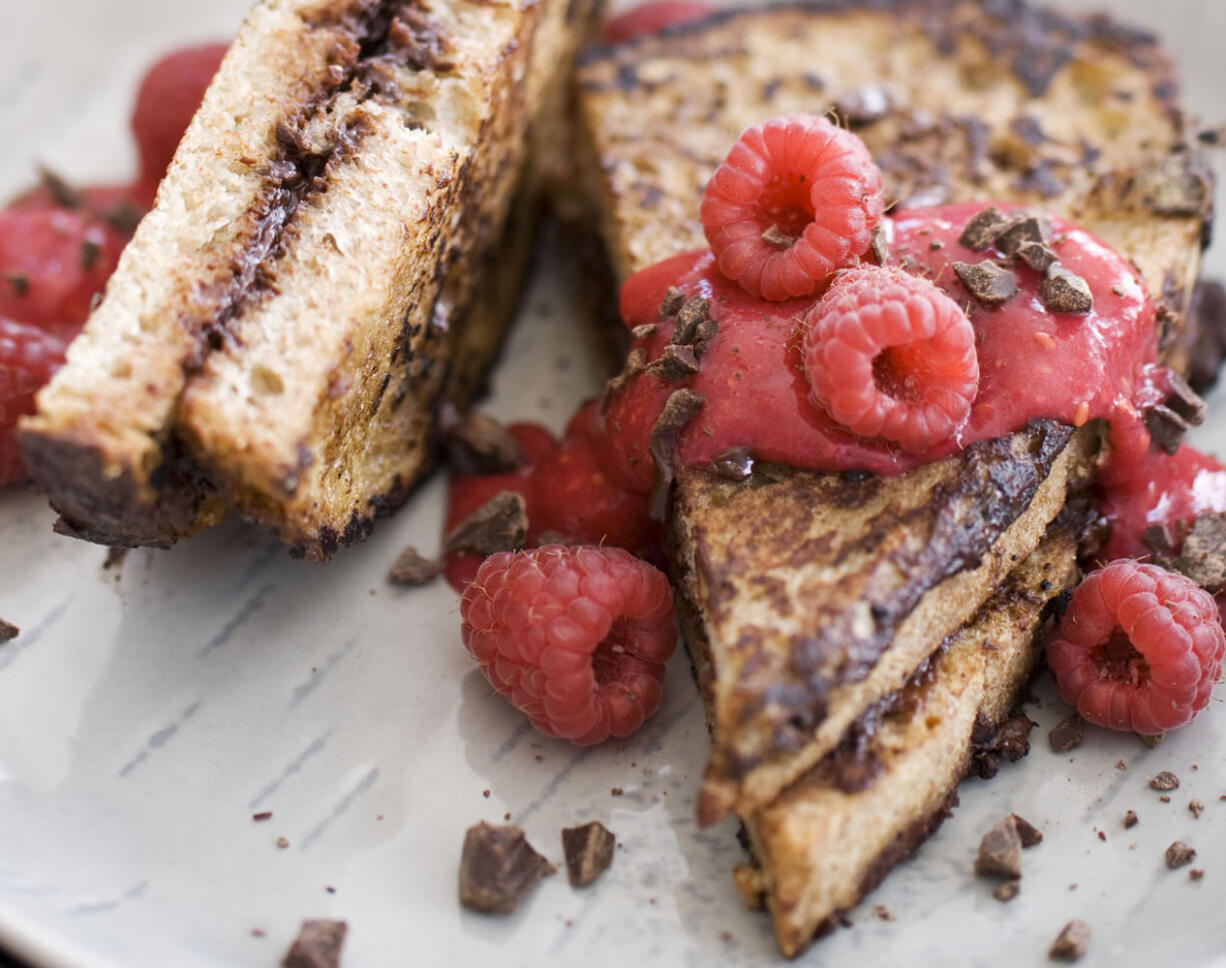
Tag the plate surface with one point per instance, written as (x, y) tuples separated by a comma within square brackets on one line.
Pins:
[(147, 711)]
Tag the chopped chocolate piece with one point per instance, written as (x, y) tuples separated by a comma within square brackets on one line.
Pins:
[(1152, 740), (1102, 835), (91, 252), (1180, 186), (635, 364), (318, 945), (1063, 291), (1036, 255), (501, 524), (1196, 808), (882, 241), (616, 792), (8, 631), (478, 444), (1022, 230), (1010, 739), (1196, 873), (1030, 835), (676, 363), (1166, 780), (1131, 819), (412, 569), (689, 316), (589, 852), (282, 843), (1071, 943), (1164, 798), (987, 282), (498, 867), (123, 218), (1184, 400), (863, 106), (1179, 854), (1000, 851), (62, 192), (20, 283), (673, 300), (1203, 558), (1121, 765), (982, 231), (261, 816), (1207, 329), (735, 463), (679, 409), (1158, 540), (645, 330), (778, 238), (882, 912), (1066, 734), (1007, 890), (703, 335)]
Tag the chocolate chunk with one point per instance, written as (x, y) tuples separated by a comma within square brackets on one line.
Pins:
[(692, 313), (477, 444), (589, 852), (735, 463), (1006, 891), (673, 300), (676, 363), (1185, 401), (635, 363), (1180, 410), (1158, 540), (1000, 851), (645, 330), (124, 217), (1166, 780), (987, 282), (1066, 734), (19, 282), (501, 524), (776, 237), (1022, 230), (1063, 291), (1131, 819), (8, 631), (679, 410), (498, 868), (1179, 854), (1071, 943), (982, 231), (703, 335), (1030, 835), (91, 252), (62, 192), (1010, 739), (318, 945), (863, 106), (412, 569), (1036, 255), (262, 816), (1196, 808), (882, 241), (1203, 557)]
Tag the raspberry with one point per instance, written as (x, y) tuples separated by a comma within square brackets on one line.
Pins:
[(651, 18), (796, 199), (889, 355), (52, 263), (1139, 648), (28, 359), (169, 95), (575, 637)]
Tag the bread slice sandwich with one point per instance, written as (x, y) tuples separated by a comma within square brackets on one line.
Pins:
[(319, 274), (811, 601)]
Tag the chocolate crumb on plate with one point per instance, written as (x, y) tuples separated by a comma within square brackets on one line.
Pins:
[(1067, 734), (1196, 808), (987, 282), (1063, 291), (261, 816), (282, 843), (1131, 819), (1165, 798), (883, 913), (1030, 835), (1166, 780), (982, 231), (318, 945), (1071, 943), (479, 444), (1152, 740), (498, 867), (1000, 851), (412, 569), (8, 631), (1102, 836), (1203, 556), (1121, 765), (1007, 890), (1179, 854), (616, 792), (1196, 873), (589, 852), (501, 524)]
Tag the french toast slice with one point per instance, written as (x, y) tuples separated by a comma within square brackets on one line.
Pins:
[(818, 594), (289, 317)]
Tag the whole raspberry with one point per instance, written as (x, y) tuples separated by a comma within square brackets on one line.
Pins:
[(576, 637), (887, 354), (28, 358), (796, 199), (1139, 648), (651, 18)]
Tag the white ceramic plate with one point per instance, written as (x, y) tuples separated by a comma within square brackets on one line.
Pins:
[(147, 712)]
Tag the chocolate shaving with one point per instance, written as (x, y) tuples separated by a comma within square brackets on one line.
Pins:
[(982, 231), (1071, 943), (1023, 230), (1131, 819), (318, 945), (8, 631), (498, 867), (501, 524), (1006, 891), (673, 300), (1203, 558), (1000, 851), (1031, 836), (778, 238), (735, 463), (1179, 854), (1063, 291), (679, 410), (412, 569), (1066, 734), (689, 317), (987, 282), (1036, 255), (1166, 780), (589, 852), (478, 444), (676, 363)]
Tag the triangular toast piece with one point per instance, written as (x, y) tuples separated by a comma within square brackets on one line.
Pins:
[(802, 629), (288, 319)]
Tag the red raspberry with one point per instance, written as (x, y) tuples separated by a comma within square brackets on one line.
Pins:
[(169, 95), (28, 359), (575, 637), (796, 199), (1139, 648), (651, 18), (52, 263), (889, 355)]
